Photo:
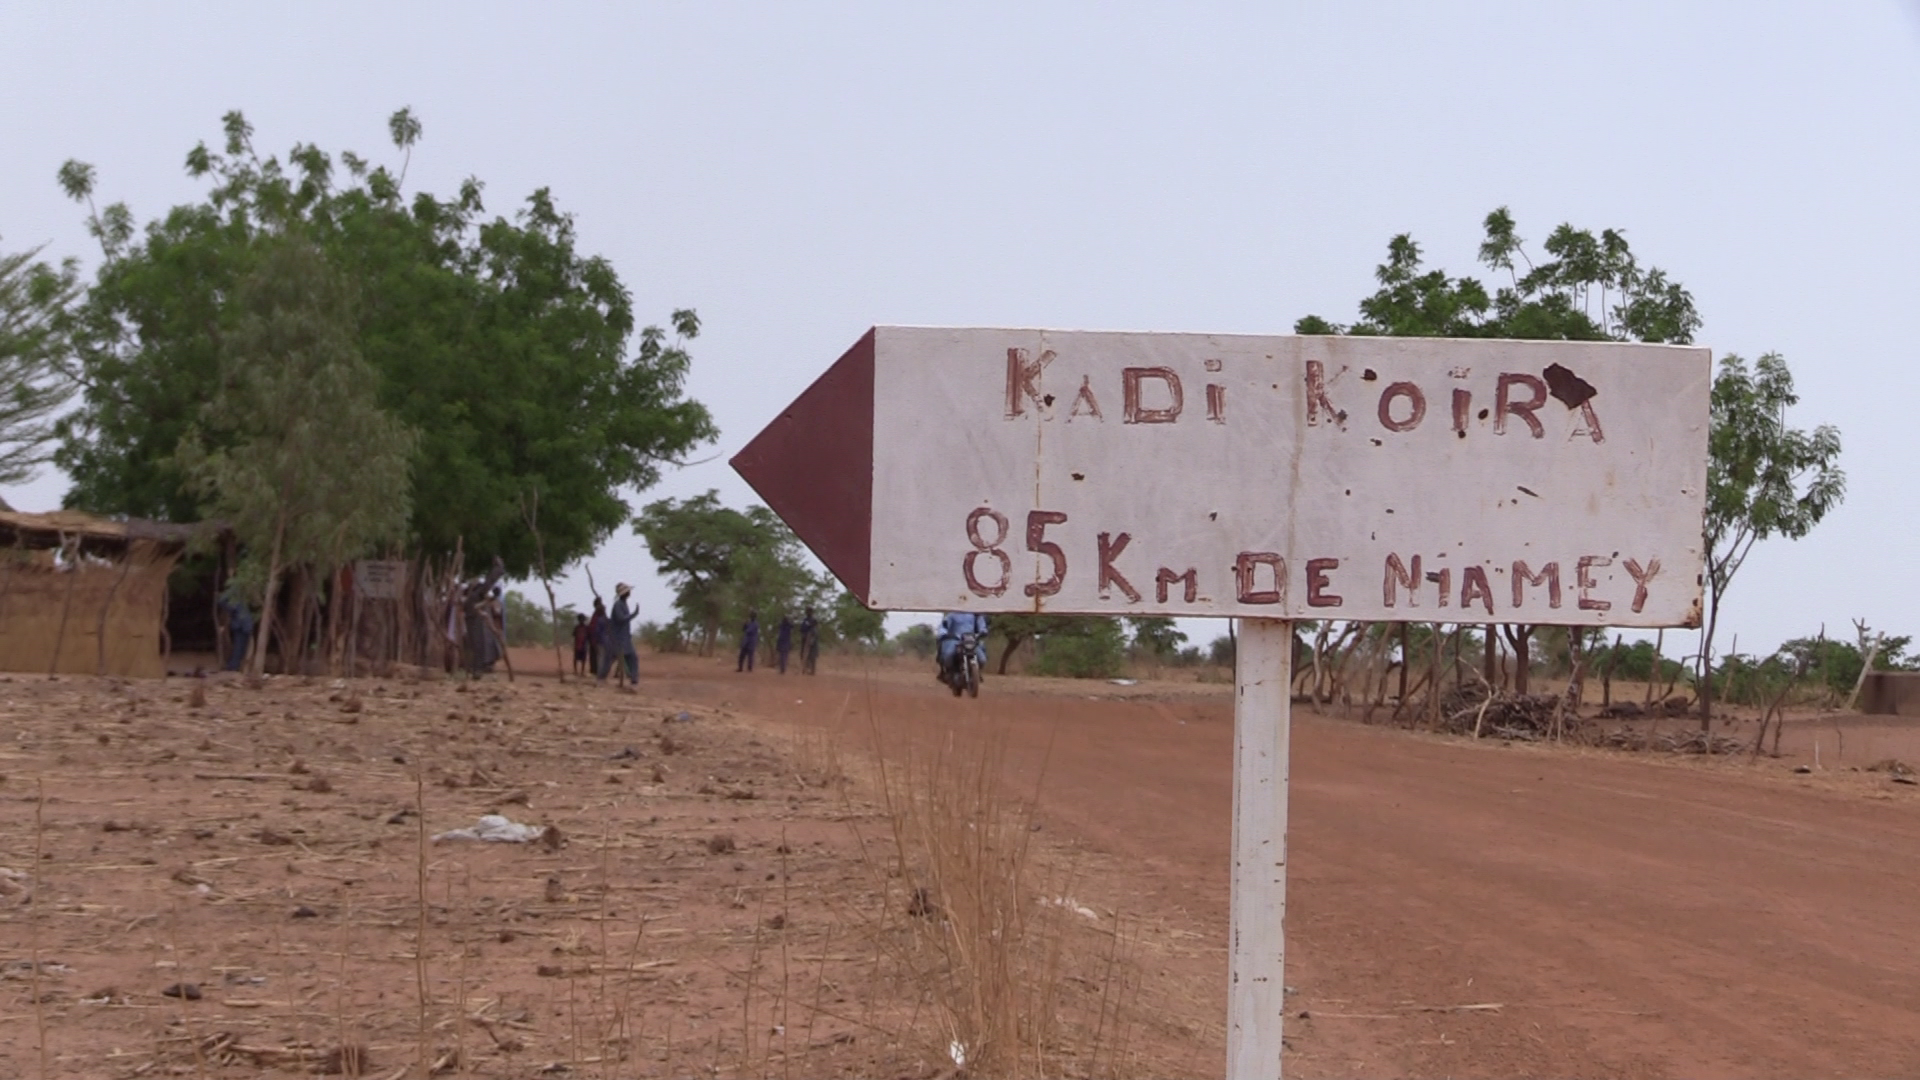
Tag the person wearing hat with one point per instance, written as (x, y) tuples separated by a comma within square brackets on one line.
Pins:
[(619, 637)]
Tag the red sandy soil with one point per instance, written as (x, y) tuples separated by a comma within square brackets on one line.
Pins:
[(1455, 908), (1630, 915)]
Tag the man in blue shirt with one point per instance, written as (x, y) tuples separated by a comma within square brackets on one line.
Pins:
[(809, 643), (749, 642), (239, 629), (956, 623), (617, 646), (783, 641)]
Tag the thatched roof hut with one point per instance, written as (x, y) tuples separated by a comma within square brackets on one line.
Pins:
[(84, 595)]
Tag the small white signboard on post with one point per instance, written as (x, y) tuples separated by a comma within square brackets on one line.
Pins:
[(379, 579), (1262, 478)]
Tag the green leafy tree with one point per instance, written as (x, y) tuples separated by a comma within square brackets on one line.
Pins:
[(1764, 479), (1837, 665), (1640, 662), (1157, 637), (1078, 646), (1081, 647), (35, 299), (530, 622), (516, 356), (1222, 650), (919, 641), (854, 622), (293, 450), (1585, 287), (723, 563), (1014, 630)]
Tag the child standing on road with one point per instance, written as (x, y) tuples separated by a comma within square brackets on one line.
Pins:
[(580, 645)]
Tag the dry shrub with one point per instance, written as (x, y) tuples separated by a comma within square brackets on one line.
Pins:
[(981, 927)]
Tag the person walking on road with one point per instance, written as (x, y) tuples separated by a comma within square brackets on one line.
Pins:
[(783, 641), (749, 642), (239, 630), (809, 643), (618, 647)]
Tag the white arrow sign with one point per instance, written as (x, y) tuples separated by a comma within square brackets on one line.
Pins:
[(1273, 477)]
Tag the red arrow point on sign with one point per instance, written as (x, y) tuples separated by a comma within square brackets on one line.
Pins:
[(814, 466)]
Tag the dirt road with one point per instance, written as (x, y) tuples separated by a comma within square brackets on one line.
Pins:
[(1628, 917)]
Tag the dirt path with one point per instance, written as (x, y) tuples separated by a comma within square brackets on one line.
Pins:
[(1629, 917)]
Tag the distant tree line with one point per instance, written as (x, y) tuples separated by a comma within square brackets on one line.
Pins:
[(724, 563)]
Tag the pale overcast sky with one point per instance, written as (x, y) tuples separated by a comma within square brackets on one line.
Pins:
[(799, 172)]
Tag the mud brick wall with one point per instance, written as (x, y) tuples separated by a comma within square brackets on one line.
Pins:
[(1891, 693)]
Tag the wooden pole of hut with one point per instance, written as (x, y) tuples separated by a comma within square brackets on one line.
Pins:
[(1406, 661), (106, 606), (13, 568), (353, 621), (1606, 680), (66, 606), (1433, 681)]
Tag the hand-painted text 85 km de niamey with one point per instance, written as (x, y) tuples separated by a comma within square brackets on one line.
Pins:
[(1261, 478)]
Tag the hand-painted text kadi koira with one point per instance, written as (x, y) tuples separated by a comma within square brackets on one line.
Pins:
[(1258, 476)]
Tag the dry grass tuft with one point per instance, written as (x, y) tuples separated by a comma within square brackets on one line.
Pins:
[(981, 927)]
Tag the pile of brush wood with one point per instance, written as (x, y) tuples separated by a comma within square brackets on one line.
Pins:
[(1677, 705), (1470, 710), (1687, 741)]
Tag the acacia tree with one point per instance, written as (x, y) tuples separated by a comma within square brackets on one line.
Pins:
[(34, 300), (516, 356), (1763, 479), (1586, 287), (1158, 636), (853, 621), (724, 562), (1093, 641), (294, 451)]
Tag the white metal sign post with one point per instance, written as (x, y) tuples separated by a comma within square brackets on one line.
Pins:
[(1260, 478), (1256, 951)]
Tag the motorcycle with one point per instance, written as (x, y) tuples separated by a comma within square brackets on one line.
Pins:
[(963, 671)]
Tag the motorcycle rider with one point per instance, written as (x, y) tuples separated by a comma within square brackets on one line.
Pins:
[(954, 624)]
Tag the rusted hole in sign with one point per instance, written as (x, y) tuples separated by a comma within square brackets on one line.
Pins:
[(1569, 389), (1079, 476), (1369, 375)]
